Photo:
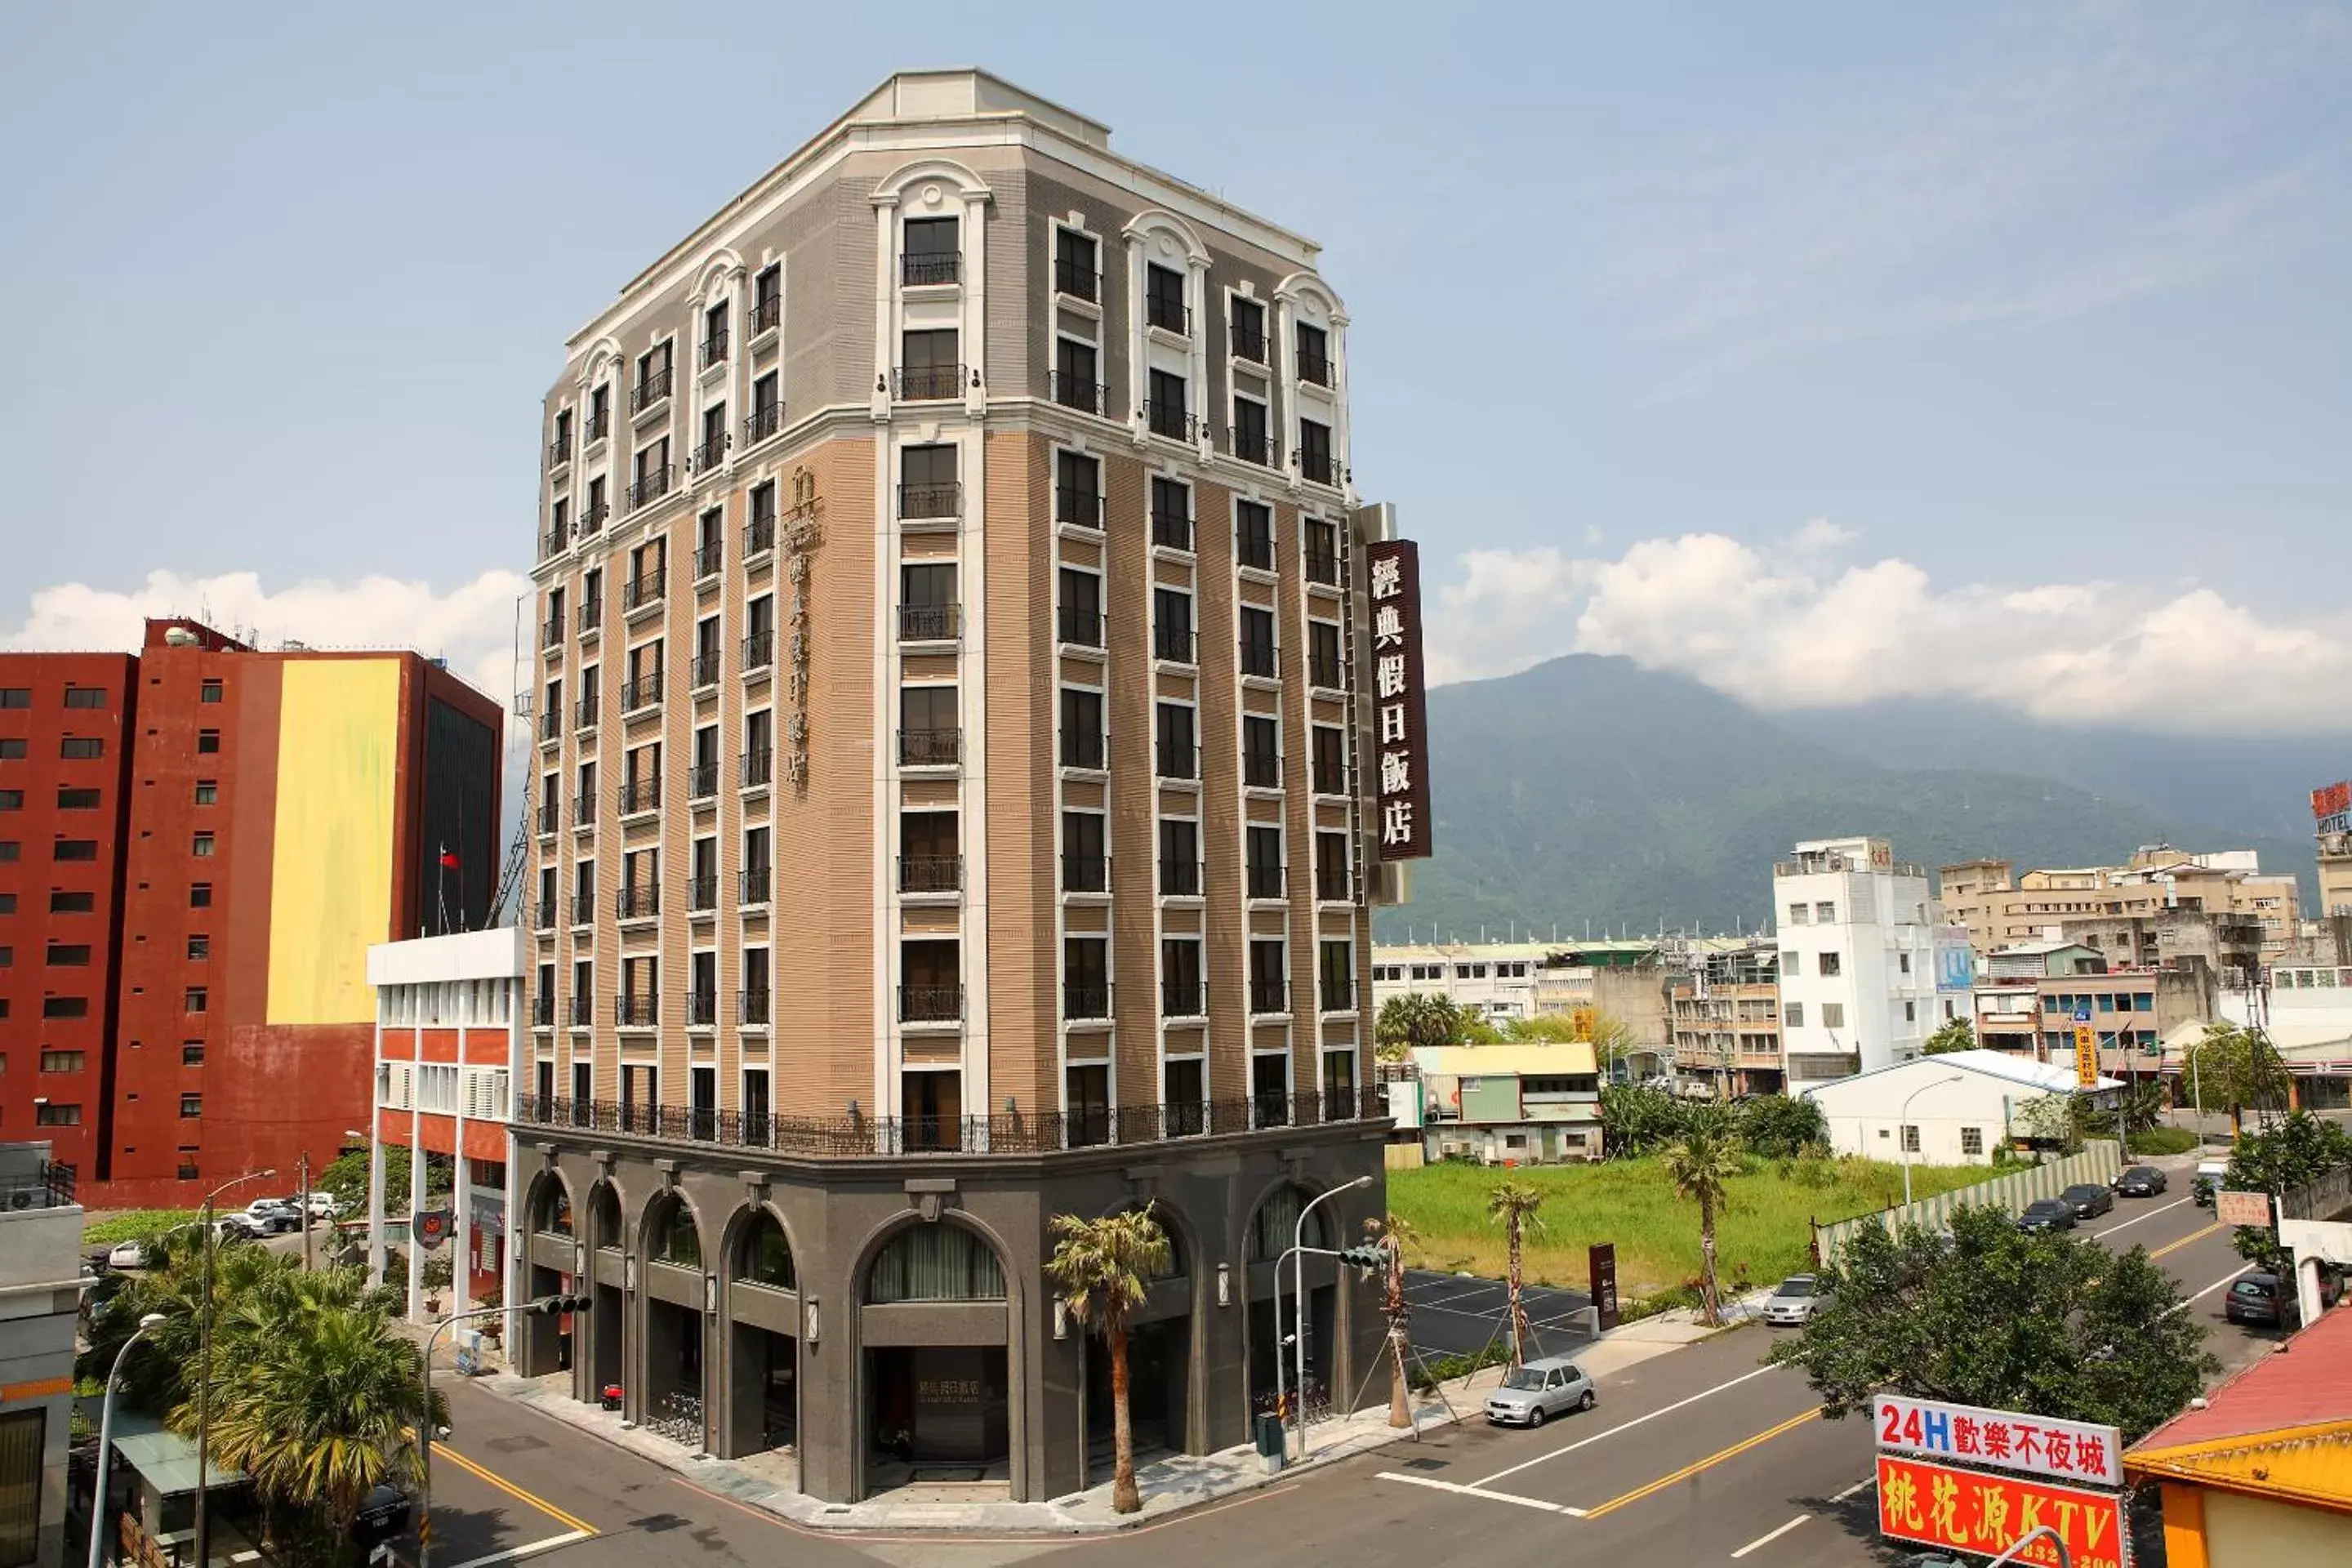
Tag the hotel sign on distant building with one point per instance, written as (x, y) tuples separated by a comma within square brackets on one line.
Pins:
[(1399, 724)]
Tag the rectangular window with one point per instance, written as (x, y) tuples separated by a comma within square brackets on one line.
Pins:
[(1262, 849), (192, 1105), (1248, 329), (1171, 625), (74, 799), (72, 903), (1322, 553), (1176, 755), (1331, 866), (1910, 1012), (1825, 914), (10, 851), (1315, 452), (1331, 759), (1910, 1138), (1172, 513), (12, 747), (1077, 489), (1832, 1015), (1250, 437), (61, 1061), (1085, 978), (1269, 989), (1257, 641), (65, 1007), (68, 955), (1336, 970), (1166, 410), (928, 366), (14, 799), (1972, 1141), (208, 742), (1163, 299), (928, 731), (210, 691), (1073, 265), (1903, 963), (197, 1000), (1180, 978), (85, 697), (192, 1053), (1078, 376), (1799, 914), (200, 846), (1080, 610), (1792, 1014), (16, 697), (74, 849), (200, 895), (933, 250), (82, 748), (1253, 534), (927, 482), (1323, 654), (200, 947), (1261, 746), (1086, 868), (1314, 355), (1180, 857), (1833, 965), (54, 1116)]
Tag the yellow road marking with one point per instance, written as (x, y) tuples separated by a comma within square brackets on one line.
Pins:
[(2177, 1246), (512, 1490), (1638, 1493)]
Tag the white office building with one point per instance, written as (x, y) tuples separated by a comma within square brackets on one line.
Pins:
[(1857, 934), (1952, 1110)]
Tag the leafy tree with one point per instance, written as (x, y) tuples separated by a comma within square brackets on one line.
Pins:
[(1100, 1266), (1778, 1127), (1701, 1164), (1553, 1028), (1635, 1120), (1475, 1030), (2052, 1323), (1959, 1034), (2232, 1065), (1393, 1234), (346, 1176), (1513, 1206), (1414, 1021), (2300, 1148)]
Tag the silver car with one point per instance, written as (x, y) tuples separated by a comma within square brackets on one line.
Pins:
[(1794, 1301), (1532, 1394)]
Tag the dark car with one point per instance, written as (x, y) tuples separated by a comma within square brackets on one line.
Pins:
[(2139, 1180), (2047, 1213), (2271, 1302), (383, 1515), (2089, 1198)]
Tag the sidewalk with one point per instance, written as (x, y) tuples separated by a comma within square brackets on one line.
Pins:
[(1169, 1484)]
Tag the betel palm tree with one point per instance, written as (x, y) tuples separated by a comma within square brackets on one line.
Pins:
[(1701, 1164), (1513, 1206), (1393, 1234), (1101, 1266), (321, 1413)]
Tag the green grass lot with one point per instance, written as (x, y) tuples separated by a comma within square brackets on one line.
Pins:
[(130, 1224), (1631, 1203), (2163, 1141)]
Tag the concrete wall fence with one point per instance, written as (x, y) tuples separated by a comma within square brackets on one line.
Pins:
[(2098, 1161)]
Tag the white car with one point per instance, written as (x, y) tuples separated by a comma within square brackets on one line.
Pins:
[(1794, 1301), (128, 1254), (325, 1206)]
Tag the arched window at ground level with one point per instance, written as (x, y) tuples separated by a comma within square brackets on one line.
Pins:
[(935, 1263)]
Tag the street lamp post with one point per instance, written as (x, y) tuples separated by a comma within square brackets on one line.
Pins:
[(1902, 1121), (205, 1373), (1298, 1305), (106, 1435), (545, 1305)]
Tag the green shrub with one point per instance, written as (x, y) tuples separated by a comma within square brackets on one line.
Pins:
[(133, 1225), (2163, 1141)]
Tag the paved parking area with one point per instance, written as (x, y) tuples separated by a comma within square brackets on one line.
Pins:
[(1457, 1314)]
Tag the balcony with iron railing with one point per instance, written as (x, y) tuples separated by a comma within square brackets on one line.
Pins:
[(930, 1004), (752, 1008), (759, 651), (543, 1011), (767, 313), (1168, 315), (645, 590), (1254, 447), (584, 713), (1070, 392), (924, 383), (1323, 670), (1013, 1133), (553, 540), (584, 909), (652, 485), (1261, 770), (551, 724), (1180, 878), (635, 903), (548, 815), (931, 500), (1269, 996), (714, 347), (759, 538), (583, 1012), (1265, 881), (559, 452), (930, 873), (710, 455), (1077, 280), (754, 884), (929, 623), (1323, 567), (551, 635), (1183, 999), (1172, 529), (1172, 643), (929, 268), (639, 794), (702, 781), (642, 692), (708, 560), (1248, 342), (1313, 368), (641, 1010), (1176, 761), (542, 915), (1254, 551), (701, 1009), (1172, 420), (1082, 508), (1078, 626), (758, 767), (1331, 885), (1086, 873), (651, 389), (705, 670), (1260, 657), (1317, 467), (762, 423), (1086, 1001), (1083, 749), (938, 747), (1338, 993), (591, 616), (702, 892), (592, 516)]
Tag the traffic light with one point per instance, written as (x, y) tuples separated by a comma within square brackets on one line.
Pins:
[(1365, 1257), (556, 1305)]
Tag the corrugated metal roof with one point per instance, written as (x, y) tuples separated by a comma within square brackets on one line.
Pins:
[(1545, 1058), (2048, 1077), (2306, 1383), (2308, 1464)]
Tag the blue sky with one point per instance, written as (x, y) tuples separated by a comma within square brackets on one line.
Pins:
[(1799, 347)]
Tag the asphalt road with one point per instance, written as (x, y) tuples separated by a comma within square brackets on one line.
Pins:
[(1461, 1314), (1697, 1455)]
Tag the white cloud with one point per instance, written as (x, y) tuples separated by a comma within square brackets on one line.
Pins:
[(471, 625), (1793, 623)]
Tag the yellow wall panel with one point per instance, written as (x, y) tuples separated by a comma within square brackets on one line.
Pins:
[(331, 887)]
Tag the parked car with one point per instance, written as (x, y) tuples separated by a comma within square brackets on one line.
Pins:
[(2271, 1302), (1794, 1302), (239, 1226), (1532, 1394), (269, 1216), (2139, 1180), (383, 1515), (2210, 1175), (2047, 1213), (128, 1254), (326, 1205), (2089, 1198)]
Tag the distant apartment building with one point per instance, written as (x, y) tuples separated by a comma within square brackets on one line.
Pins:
[(1724, 1011), (40, 1302), (1857, 966), (197, 844), (1523, 1104), (1492, 980), (2159, 905), (2030, 997)]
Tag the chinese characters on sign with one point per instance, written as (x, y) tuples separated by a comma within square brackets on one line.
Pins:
[(2242, 1208), (2086, 1057), (1400, 730), (801, 535), (2071, 1450), (1968, 1511)]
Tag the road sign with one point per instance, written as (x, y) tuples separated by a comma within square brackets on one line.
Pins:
[(2069, 1450), (2086, 1057), (2082, 1012), (430, 1228), (1601, 1260), (1969, 1510), (2242, 1208)]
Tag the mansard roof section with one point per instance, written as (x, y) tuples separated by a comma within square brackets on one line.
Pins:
[(921, 111)]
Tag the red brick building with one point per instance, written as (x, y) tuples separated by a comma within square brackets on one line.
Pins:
[(277, 812)]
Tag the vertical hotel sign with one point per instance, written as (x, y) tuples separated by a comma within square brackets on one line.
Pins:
[(1400, 727)]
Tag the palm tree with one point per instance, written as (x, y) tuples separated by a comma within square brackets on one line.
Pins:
[(1101, 1266), (1701, 1163), (1414, 1020), (1513, 1207), (1391, 1234), (322, 1411)]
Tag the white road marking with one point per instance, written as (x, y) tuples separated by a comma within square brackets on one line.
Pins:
[(2125, 1225), (1862, 1485), (1626, 1425), (1769, 1540), (2209, 1289), (1466, 1491), (533, 1550)]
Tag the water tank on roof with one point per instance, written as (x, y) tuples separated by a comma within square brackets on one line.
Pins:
[(180, 637)]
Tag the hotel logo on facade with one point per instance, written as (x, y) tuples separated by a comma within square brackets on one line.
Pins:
[(1401, 725)]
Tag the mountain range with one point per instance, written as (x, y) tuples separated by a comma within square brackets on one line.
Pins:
[(1589, 789)]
